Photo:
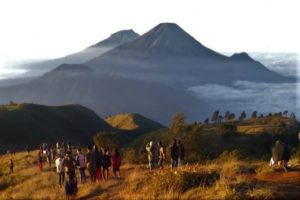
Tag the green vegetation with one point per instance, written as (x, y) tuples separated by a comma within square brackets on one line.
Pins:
[(24, 125)]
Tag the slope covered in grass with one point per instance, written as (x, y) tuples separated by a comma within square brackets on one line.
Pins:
[(133, 122), (24, 125)]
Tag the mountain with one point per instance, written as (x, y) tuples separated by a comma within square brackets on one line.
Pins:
[(115, 39), (169, 55), (106, 94), (133, 122), (31, 124)]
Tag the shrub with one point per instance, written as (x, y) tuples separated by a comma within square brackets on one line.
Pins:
[(227, 130), (129, 156)]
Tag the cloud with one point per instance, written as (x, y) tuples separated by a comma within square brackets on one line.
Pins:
[(250, 96)]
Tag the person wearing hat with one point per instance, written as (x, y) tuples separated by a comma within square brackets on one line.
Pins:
[(60, 170)]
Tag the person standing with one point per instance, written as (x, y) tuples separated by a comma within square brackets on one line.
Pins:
[(151, 154), (69, 164), (11, 166), (174, 154), (181, 153), (60, 170), (116, 161), (40, 163), (161, 155), (98, 159), (106, 163), (91, 163), (80, 160)]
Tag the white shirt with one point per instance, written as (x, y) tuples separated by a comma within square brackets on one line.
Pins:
[(59, 165)]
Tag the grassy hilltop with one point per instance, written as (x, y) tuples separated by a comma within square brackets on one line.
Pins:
[(31, 124)]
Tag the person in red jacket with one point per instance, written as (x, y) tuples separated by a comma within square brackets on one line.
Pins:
[(116, 163)]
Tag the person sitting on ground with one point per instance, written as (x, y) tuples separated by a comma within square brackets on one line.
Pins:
[(60, 169), (91, 163), (151, 154), (277, 152), (11, 166), (174, 154), (106, 163), (161, 154), (116, 163), (80, 160)]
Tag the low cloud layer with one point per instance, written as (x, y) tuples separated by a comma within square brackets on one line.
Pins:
[(250, 96)]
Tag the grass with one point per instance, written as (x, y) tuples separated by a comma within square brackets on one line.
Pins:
[(227, 177)]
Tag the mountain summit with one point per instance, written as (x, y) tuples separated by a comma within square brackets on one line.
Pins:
[(169, 55), (167, 40), (118, 38)]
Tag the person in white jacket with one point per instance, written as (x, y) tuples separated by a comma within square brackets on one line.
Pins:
[(60, 170)]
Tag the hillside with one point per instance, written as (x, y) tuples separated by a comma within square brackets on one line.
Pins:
[(227, 177), (106, 94), (133, 122), (24, 125)]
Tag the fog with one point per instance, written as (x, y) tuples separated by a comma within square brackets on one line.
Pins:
[(250, 96)]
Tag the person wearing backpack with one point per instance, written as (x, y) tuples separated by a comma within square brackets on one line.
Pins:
[(106, 163), (116, 163), (60, 170), (80, 162), (161, 155), (91, 163)]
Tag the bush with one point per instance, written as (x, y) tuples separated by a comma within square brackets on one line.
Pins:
[(129, 156), (227, 130)]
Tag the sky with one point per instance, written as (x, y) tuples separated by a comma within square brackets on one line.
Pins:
[(38, 29)]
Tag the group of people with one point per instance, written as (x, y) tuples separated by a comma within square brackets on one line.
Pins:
[(177, 154), (95, 161)]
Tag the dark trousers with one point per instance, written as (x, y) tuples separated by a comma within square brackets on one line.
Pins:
[(174, 162), (161, 163), (71, 175), (93, 176), (61, 178), (82, 175)]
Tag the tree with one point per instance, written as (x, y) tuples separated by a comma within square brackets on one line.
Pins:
[(254, 115), (293, 116), (206, 121), (232, 116), (106, 140), (177, 125), (242, 116), (215, 116), (285, 112), (220, 118), (227, 116)]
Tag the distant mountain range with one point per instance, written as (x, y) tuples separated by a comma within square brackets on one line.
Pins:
[(147, 74), (115, 39), (169, 55)]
